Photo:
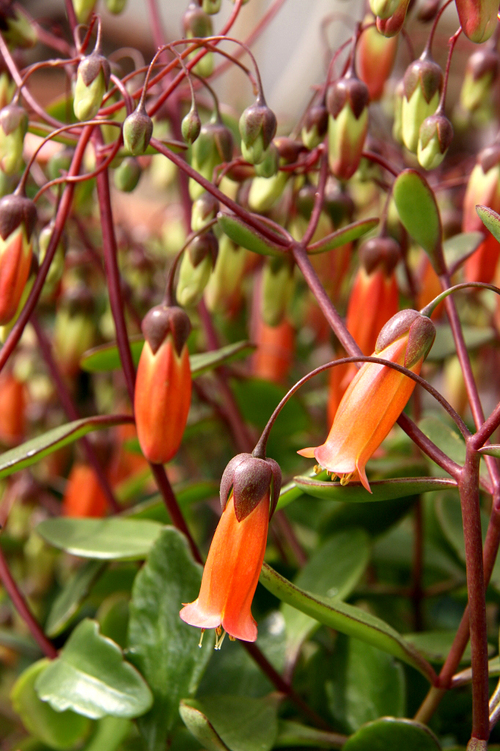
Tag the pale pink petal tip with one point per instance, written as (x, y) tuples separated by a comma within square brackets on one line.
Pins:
[(308, 453), (193, 615)]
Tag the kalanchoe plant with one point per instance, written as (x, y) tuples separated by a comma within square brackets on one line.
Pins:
[(92, 79)]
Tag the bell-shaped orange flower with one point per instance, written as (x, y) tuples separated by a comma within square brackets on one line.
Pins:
[(83, 496), (17, 221), (163, 384), (249, 492), (375, 398)]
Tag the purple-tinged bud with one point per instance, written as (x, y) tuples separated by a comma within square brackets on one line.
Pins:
[(203, 210), (427, 11), (392, 25), (197, 23), (375, 55), (13, 128), (435, 137), (478, 18), (338, 204), (257, 129), (419, 329), (315, 126), (347, 103), (213, 146), (481, 72), (163, 320), (137, 131), (191, 125), (197, 264), (250, 479), (380, 252), (423, 81), (92, 81), (17, 221)]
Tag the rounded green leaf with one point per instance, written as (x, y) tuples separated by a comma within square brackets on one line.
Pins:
[(236, 723), (249, 238), (490, 219), (91, 677), (419, 214), (390, 734), (106, 539), (70, 599), (59, 730)]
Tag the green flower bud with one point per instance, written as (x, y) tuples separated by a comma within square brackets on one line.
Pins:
[(278, 285), (127, 174), (436, 134), (83, 9), (213, 146), (224, 286), (392, 25), (203, 210), (211, 6), (257, 129), (92, 80), (7, 88), (422, 82), (13, 128), (191, 125), (197, 23), (115, 6), (384, 8), (315, 126), (265, 191), (347, 103), (197, 264), (74, 328), (137, 131), (478, 18), (56, 268), (481, 72), (60, 163), (270, 163)]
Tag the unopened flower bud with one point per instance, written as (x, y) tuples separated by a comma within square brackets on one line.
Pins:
[(478, 18), (435, 136), (17, 28), (203, 210), (137, 131), (13, 128), (115, 6), (127, 174), (384, 8), (92, 80), (315, 126), (423, 81), (249, 479), (211, 6), (392, 25), (270, 163), (213, 146), (347, 103), (427, 11), (197, 23), (197, 264), (74, 329), (375, 55), (338, 204), (83, 9), (257, 129), (56, 268), (163, 384), (481, 72), (17, 221), (223, 291), (191, 125), (277, 289)]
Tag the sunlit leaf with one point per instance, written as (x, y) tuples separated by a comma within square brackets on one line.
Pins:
[(342, 236), (419, 213), (391, 734), (249, 238), (382, 490)]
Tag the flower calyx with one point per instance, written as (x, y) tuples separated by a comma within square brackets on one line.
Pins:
[(257, 129), (16, 210), (251, 479), (163, 320), (137, 131), (420, 330)]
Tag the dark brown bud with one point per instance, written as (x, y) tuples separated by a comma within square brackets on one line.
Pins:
[(317, 119), (16, 210), (163, 320), (304, 200), (338, 204), (250, 479), (90, 67), (489, 157), (348, 90), (202, 246), (483, 62), (379, 252), (424, 73), (195, 22)]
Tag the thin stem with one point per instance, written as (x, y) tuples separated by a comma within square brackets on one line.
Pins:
[(318, 200), (72, 413), (23, 609)]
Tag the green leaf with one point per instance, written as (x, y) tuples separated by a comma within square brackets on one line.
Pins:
[(292, 734), (446, 437), (419, 213), (435, 645), (249, 238), (492, 450), (91, 677), (106, 539), (107, 357), (458, 248), (59, 730), (347, 619), (490, 219), (390, 734), (70, 599), (342, 236), (366, 684), (333, 571), (164, 648), (109, 734), (444, 344), (236, 723), (32, 451), (383, 490)]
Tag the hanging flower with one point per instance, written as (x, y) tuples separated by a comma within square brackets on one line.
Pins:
[(375, 398), (249, 492)]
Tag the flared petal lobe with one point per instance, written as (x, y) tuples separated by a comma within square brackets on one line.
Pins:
[(231, 573)]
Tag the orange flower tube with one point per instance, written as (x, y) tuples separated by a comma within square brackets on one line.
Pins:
[(375, 398), (236, 554), (163, 385)]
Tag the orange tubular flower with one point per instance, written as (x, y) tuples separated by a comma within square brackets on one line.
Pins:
[(249, 492), (17, 221), (163, 385), (375, 398)]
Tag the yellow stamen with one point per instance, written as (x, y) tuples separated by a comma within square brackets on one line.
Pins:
[(220, 635), (201, 638), (345, 479)]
